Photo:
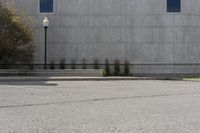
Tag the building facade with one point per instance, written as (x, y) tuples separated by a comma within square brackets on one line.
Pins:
[(155, 36)]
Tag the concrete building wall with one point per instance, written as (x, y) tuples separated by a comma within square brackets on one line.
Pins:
[(141, 31)]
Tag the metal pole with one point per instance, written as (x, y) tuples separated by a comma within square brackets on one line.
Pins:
[(45, 49)]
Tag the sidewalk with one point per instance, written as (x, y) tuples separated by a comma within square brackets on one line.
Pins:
[(75, 78)]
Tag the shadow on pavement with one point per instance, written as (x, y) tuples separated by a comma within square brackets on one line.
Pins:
[(32, 83)]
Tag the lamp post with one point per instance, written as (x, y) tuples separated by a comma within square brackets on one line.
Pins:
[(45, 25)]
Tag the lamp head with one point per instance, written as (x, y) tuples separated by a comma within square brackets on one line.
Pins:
[(45, 22)]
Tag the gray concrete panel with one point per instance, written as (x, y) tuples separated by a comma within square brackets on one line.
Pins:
[(141, 31)]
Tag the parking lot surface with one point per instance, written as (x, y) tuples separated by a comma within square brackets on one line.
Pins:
[(138, 106)]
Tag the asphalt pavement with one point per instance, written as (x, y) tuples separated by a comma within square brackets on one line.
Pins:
[(134, 106)]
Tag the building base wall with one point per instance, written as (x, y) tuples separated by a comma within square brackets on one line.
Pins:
[(136, 69)]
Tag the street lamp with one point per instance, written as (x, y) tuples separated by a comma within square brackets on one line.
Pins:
[(45, 25)]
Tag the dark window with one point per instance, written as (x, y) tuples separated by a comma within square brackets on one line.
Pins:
[(173, 5), (46, 6)]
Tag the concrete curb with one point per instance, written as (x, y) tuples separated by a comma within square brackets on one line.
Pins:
[(191, 80), (28, 78)]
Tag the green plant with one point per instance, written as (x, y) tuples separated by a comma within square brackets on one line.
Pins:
[(96, 64), (126, 68), (52, 64), (62, 64), (117, 68), (107, 68), (84, 63), (104, 72), (73, 64)]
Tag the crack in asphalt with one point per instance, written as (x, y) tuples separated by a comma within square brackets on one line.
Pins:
[(95, 100)]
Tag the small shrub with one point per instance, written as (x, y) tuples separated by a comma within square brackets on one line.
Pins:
[(117, 68), (107, 68), (73, 64), (52, 64), (84, 63), (104, 73), (62, 64), (126, 68), (31, 66), (96, 64)]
